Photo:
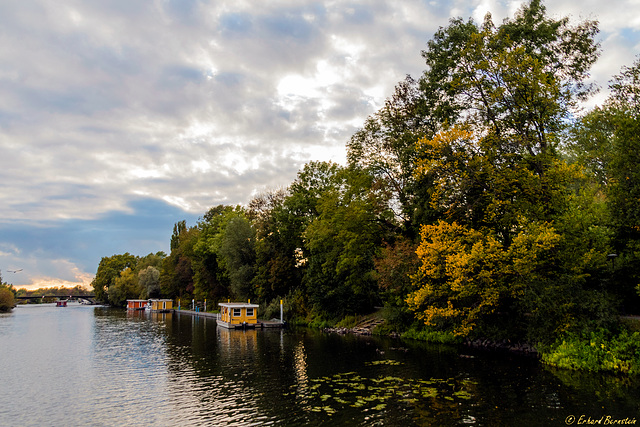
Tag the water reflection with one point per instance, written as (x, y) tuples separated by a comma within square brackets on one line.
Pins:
[(300, 360), (97, 366)]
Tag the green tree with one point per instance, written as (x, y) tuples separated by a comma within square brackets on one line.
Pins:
[(238, 252), (506, 244), (211, 278), (150, 260), (606, 143), (7, 299), (277, 238), (519, 78), (385, 146), (342, 242), (149, 282), (7, 296), (108, 271), (125, 287), (624, 189), (176, 275)]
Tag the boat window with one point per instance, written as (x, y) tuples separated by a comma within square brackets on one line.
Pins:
[(236, 312), (249, 312)]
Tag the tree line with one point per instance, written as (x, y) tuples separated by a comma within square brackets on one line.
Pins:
[(479, 201)]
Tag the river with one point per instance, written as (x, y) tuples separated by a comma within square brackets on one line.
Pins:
[(97, 366)]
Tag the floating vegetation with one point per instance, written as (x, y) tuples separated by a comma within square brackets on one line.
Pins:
[(330, 394), (383, 362)]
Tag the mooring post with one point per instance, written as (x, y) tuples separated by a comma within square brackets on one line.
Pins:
[(281, 318)]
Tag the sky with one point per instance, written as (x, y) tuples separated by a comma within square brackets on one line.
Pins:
[(119, 118)]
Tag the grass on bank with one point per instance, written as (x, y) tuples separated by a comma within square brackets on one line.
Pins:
[(597, 351)]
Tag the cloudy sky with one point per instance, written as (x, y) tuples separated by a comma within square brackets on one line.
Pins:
[(119, 118)]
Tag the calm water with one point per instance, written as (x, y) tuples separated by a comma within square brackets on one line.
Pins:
[(95, 366)]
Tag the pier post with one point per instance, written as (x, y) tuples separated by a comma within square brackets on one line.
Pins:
[(281, 318)]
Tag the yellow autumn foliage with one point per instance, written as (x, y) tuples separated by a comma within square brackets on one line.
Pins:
[(466, 274)]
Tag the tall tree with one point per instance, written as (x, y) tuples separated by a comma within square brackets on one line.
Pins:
[(498, 182), (385, 145), (277, 238), (149, 281), (176, 277), (606, 141), (342, 241), (108, 271), (238, 251), (211, 280), (7, 296), (125, 287)]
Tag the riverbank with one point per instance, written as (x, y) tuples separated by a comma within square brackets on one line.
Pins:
[(596, 351), (367, 327)]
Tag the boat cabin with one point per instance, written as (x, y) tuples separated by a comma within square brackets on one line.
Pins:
[(161, 305), (61, 303), (238, 315), (137, 304)]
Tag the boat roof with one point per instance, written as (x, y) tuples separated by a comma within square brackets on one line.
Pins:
[(238, 305)]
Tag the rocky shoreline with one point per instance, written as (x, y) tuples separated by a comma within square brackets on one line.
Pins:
[(502, 345)]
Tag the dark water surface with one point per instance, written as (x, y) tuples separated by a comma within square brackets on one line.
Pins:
[(95, 366)]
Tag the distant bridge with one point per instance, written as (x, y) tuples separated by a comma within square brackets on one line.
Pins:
[(90, 298)]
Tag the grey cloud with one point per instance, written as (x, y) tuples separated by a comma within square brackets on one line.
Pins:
[(289, 26), (236, 24)]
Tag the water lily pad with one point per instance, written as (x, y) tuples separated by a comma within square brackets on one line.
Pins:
[(384, 362), (462, 394), (429, 392)]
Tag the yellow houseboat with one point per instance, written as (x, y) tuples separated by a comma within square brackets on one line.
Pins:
[(161, 305), (235, 315)]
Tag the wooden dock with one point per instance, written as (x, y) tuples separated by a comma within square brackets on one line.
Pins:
[(262, 324)]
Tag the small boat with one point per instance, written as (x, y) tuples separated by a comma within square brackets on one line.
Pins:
[(61, 303)]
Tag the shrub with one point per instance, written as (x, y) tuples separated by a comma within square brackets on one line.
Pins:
[(432, 336), (7, 300), (597, 351)]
